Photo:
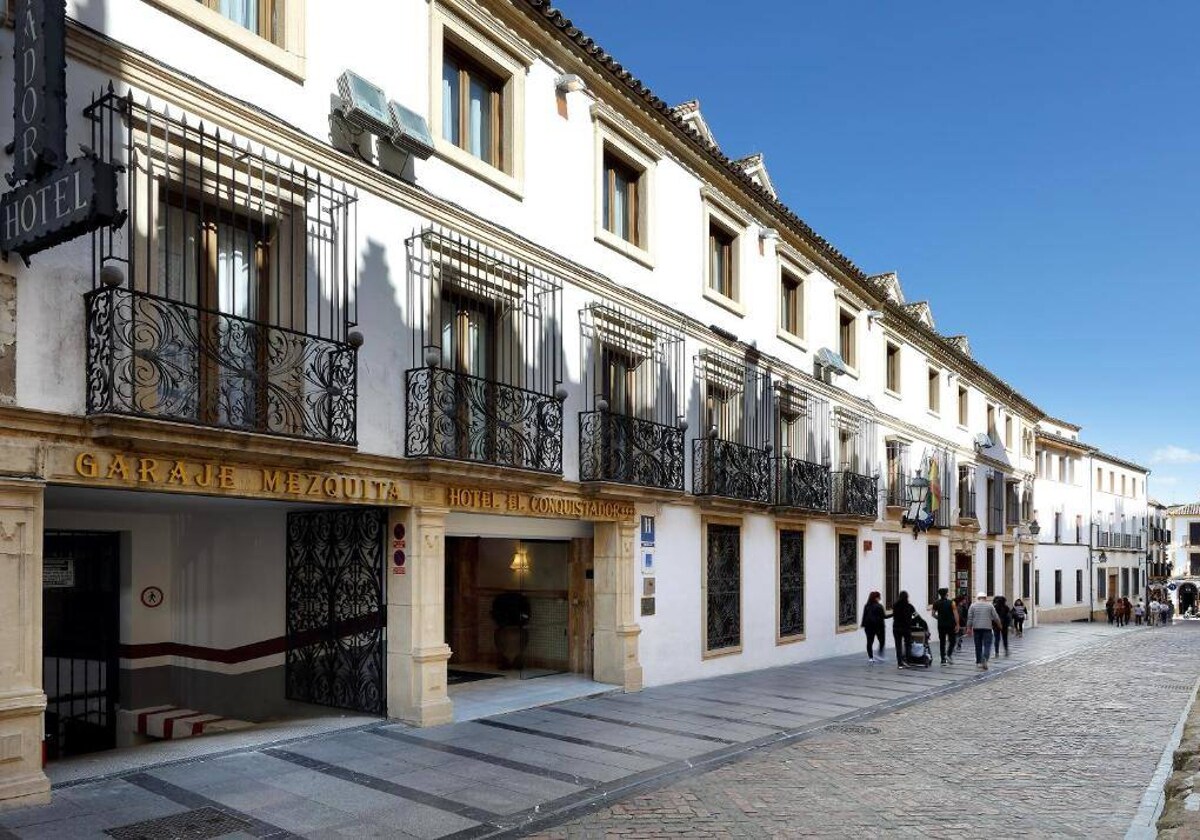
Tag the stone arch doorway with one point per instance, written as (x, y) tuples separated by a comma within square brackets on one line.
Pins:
[(1188, 595)]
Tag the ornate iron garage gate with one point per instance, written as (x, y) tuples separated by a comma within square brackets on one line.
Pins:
[(335, 609)]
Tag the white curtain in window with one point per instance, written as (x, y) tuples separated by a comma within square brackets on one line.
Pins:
[(450, 94), (620, 206), (479, 116), (241, 12)]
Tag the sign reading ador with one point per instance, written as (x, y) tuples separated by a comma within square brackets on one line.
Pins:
[(59, 199)]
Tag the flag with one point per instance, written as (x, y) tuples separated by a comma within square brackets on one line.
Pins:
[(935, 490)]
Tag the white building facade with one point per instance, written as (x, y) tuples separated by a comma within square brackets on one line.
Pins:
[(1183, 525), (1094, 526), (568, 391)]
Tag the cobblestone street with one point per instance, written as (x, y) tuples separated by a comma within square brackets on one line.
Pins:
[(1064, 748)]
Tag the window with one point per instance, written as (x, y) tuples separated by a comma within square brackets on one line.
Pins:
[(897, 473), (791, 584), (1122, 485), (891, 573), (1194, 533), (723, 589), (720, 261), (933, 572), (1057, 526), (1112, 482), (1024, 580), (1125, 583), (1099, 479), (846, 336), (892, 362), (1101, 585), (1008, 432), (1058, 586), (1193, 564), (991, 571), (791, 304), (622, 202), (935, 391), (991, 422), (962, 406), (472, 107), (847, 581), (1037, 588), (1079, 529), (259, 16), (1062, 469)]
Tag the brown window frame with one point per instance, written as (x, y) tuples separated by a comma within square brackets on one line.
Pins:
[(721, 242), (791, 307), (847, 344), (611, 163), (892, 366), (468, 66)]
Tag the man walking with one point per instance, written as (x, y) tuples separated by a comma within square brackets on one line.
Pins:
[(981, 618), (946, 613), (902, 624)]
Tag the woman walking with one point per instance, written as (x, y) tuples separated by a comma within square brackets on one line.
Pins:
[(981, 618), (902, 625), (1110, 608), (1018, 617), (1005, 613), (963, 606), (873, 623)]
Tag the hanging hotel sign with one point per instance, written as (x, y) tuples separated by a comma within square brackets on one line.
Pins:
[(53, 200)]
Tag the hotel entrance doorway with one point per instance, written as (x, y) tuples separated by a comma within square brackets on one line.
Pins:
[(962, 575)]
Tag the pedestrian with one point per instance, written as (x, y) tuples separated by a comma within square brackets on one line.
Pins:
[(963, 606), (1155, 611), (873, 622), (1110, 608), (1005, 613), (1139, 612), (1169, 610), (946, 613), (1018, 617), (1126, 610), (981, 621), (902, 627), (1118, 611)]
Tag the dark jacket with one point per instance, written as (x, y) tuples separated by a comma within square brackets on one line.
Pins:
[(1004, 611), (874, 616), (902, 616)]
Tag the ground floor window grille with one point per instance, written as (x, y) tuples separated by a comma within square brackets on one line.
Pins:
[(1037, 588), (1058, 586), (991, 571), (847, 590), (1024, 580), (791, 583), (891, 573), (1125, 582), (723, 588), (1101, 585), (1079, 585)]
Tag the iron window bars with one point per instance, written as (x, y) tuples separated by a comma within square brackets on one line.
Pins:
[(996, 492), (855, 483), (723, 587), (898, 473), (801, 469), (966, 492), (632, 431), (486, 380), (732, 456), (791, 583), (228, 297)]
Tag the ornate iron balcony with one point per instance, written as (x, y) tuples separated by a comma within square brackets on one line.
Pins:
[(855, 495), (801, 484), (630, 450), (149, 356), (731, 470), (966, 503), (467, 418)]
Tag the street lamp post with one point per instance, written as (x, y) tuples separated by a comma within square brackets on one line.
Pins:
[(1034, 530)]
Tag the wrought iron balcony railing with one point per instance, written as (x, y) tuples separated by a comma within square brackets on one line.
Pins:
[(149, 356), (467, 418), (630, 450), (731, 470), (802, 484), (897, 489), (966, 504), (855, 495), (1102, 539)]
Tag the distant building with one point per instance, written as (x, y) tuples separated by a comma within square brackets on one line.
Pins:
[(1092, 512), (1183, 524)]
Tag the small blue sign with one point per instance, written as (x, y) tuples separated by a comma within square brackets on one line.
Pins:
[(647, 530)]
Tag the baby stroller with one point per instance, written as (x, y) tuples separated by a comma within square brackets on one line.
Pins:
[(920, 655)]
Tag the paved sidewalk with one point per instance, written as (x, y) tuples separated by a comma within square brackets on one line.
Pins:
[(506, 773)]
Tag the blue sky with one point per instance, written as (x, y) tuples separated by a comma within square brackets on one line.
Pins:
[(1030, 168)]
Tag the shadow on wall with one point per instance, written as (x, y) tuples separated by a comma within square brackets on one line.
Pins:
[(382, 361)]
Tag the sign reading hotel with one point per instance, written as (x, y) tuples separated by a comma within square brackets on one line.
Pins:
[(53, 200), (129, 470)]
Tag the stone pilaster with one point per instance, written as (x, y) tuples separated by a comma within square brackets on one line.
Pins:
[(22, 701), (615, 633), (417, 649)]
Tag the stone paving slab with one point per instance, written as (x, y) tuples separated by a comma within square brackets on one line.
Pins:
[(502, 774)]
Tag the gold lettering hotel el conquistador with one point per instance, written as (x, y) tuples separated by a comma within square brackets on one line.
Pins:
[(512, 502)]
